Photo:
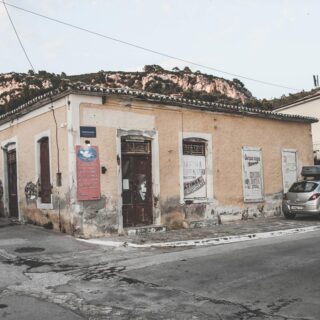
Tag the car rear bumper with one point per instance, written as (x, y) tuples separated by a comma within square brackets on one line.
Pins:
[(300, 208)]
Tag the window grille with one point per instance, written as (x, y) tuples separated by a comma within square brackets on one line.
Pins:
[(140, 147), (193, 148)]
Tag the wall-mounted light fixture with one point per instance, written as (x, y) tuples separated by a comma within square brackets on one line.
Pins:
[(103, 169)]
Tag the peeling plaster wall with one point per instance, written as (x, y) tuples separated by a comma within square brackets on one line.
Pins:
[(229, 134), (25, 131), (109, 122), (165, 125)]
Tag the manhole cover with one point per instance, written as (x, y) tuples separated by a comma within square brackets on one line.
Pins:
[(28, 249)]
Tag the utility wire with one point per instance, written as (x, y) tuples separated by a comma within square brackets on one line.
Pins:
[(16, 32), (150, 50)]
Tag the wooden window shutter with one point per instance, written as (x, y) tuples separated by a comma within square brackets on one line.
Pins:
[(45, 189)]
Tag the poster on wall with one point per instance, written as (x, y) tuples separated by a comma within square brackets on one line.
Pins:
[(252, 174), (88, 173), (289, 168), (194, 176)]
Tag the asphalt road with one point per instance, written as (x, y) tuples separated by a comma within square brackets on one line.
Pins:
[(276, 278)]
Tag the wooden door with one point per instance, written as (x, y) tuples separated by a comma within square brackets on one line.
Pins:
[(136, 184), (45, 193), (12, 183)]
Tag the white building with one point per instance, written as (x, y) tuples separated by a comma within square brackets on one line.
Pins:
[(307, 106)]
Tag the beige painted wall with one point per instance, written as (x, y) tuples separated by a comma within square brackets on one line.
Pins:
[(25, 132), (229, 134)]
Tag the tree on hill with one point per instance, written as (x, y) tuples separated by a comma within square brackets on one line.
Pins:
[(152, 68)]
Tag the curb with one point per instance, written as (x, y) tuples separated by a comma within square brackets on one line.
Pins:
[(203, 242)]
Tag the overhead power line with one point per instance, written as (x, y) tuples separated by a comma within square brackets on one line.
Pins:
[(16, 32), (149, 50)]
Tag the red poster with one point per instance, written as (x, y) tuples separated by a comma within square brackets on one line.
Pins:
[(88, 173)]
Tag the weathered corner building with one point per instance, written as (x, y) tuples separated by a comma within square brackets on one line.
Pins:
[(94, 161)]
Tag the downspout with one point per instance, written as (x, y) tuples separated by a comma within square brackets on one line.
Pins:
[(58, 174)]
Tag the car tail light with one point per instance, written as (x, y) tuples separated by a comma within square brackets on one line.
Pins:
[(285, 196), (314, 197)]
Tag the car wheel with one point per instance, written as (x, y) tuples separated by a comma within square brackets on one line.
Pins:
[(289, 215)]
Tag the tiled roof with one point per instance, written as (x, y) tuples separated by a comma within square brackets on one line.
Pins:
[(154, 97)]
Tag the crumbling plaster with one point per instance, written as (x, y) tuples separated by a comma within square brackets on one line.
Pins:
[(165, 126)]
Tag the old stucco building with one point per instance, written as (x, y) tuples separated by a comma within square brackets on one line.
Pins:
[(92, 161)]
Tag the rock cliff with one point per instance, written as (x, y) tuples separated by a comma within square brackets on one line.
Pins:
[(17, 88)]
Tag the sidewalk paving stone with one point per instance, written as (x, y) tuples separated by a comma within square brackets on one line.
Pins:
[(241, 227), (237, 228)]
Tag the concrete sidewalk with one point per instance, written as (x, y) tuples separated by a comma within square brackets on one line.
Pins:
[(217, 234)]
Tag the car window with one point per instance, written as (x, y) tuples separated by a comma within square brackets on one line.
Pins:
[(303, 186)]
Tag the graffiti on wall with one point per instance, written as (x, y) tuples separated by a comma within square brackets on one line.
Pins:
[(31, 191)]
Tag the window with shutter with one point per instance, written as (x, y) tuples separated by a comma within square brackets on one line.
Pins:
[(45, 183)]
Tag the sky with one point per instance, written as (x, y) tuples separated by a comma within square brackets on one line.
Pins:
[(274, 41)]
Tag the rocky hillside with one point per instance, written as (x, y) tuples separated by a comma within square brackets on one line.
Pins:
[(17, 88)]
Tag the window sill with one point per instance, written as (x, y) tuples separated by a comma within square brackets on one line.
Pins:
[(45, 206), (254, 201), (195, 201)]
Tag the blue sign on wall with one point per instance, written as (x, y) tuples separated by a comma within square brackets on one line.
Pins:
[(88, 132)]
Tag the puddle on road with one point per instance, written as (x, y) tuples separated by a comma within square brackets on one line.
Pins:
[(29, 249), (34, 264), (28, 262)]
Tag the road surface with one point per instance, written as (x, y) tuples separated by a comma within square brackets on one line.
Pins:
[(52, 276)]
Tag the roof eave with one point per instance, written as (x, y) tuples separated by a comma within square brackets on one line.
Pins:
[(152, 97)]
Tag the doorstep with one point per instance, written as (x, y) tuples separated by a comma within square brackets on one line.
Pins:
[(136, 231)]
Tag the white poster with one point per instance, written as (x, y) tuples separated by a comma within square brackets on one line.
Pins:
[(252, 174), (289, 168), (194, 176)]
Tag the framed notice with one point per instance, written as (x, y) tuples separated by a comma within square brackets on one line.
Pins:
[(194, 176), (88, 173), (289, 168), (252, 174)]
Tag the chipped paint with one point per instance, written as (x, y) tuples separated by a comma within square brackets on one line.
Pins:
[(165, 125)]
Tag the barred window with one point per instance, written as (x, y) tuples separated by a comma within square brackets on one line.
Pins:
[(193, 148)]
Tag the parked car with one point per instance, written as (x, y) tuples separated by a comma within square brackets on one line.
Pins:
[(302, 197)]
